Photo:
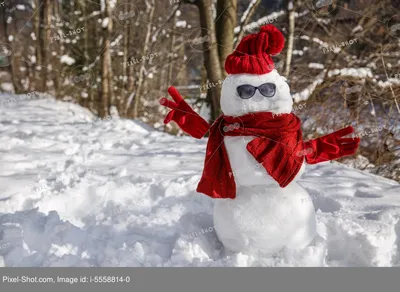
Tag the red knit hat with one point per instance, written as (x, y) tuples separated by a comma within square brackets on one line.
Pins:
[(253, 54)]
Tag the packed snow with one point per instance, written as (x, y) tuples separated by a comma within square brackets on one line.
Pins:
[(81, 191)]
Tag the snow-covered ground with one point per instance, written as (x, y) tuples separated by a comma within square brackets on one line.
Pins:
[(117, 193)]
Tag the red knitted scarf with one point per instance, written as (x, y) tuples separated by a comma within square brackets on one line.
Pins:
[(276, 146)]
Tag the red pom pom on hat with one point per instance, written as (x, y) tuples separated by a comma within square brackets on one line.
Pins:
[(253, 54)]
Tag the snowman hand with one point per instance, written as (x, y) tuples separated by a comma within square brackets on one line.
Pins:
[(182, 114), (330, 147)]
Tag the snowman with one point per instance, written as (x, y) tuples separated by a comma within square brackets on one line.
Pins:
[(256, 154)]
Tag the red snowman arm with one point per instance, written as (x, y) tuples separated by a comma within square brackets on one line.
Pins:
[(182, 114), (330, 147)]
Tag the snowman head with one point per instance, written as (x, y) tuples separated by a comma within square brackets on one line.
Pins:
[(253, 85)]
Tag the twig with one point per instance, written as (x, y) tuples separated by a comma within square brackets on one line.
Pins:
[(390, 85), (246, 18)]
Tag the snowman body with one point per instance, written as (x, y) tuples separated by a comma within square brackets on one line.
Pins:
[(263, 218)]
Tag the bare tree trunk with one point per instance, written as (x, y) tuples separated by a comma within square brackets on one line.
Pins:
[(56, 73), (131, 78), (290, 43), (45, 36), (211, 58), (172, 47), (38, 51), (225, 24), (31, 77), (89, 101), (150, 4), (105, 98), (18, 88), (111, 97), (246, 18), (126, 72)]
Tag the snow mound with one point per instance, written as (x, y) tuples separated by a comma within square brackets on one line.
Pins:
[(79, 191)]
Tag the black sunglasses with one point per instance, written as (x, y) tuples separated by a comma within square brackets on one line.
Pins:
[(247, 91)]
